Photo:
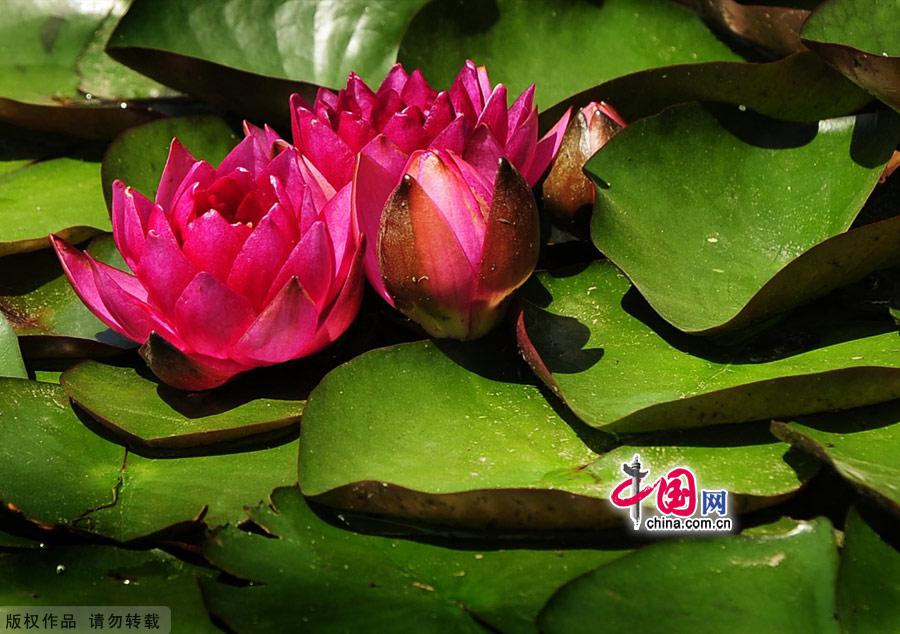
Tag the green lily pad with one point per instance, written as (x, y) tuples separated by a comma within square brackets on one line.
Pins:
[(45, 312), (486, 449), (862, 445), (734, 584), (137, 156), (11, 363), (105, 576), (800, 87), (10, 541), (150, 416), (620, 367), (860, 39), (752, 206), (252, 59), (57, 471), (60, 196), (591, 42), (40, 47), (865, 605), (326, 579)]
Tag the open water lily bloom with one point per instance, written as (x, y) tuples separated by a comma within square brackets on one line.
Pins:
[(253, 263), (366, 137)]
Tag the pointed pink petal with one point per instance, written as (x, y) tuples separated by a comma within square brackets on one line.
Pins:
[(495, 113), (324, 148), (395, 80), (454, 137), (439, 115), (211, 244), (178, 165), (130, 214), (406, 131), (283, 331), (464, 92), (484, 83), (522, 142), (546, 150), (259, 261), (359, 95), (312, 264), (138, 319), (77, 267), (324, 97), (450, 195), (386, 107), (344, 236), (378, 171), (354, 131), (163, 268), (210, 317), (521, 109), (416, 92), (249, 154), (484, 153), (346, 305)]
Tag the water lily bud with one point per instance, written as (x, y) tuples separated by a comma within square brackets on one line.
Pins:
[(453, 246), (568, 193), (249, 264)]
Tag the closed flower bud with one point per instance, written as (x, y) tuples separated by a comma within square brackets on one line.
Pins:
[(568, 194), (453, 246)]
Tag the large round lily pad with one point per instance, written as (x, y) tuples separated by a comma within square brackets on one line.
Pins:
[(325, 578), (488, 449), (620, 367), (57, 471), (780, 583), (563, 48), (150, 416), (753, 204), (863, 445)]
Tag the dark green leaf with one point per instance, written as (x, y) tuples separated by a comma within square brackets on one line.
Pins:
[(721, 219), (863, 445), (323, 578), (11, 363), (487, 449), (781, 583), (563, 47), (620, 367), (149, 416)]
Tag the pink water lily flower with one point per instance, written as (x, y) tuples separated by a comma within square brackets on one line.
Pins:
[(367, 136), (453, 246), (249, 264)]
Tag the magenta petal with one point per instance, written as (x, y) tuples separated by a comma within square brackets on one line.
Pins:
[(406, 131), (354, 131), (136, 317), (259, 261), (454, 137), (546, 150), (378, 172), (450, 195), (360, 95), (521, 109), (283, 331), (394, 81), (494, 115), (339, 219), (312, 263), (178, 165), (324, 148), (416, 92), (210, 317), (212, 243), (130, 215), (484, 153), (464, 92), (522, 142), (77, 267), (249, 155), (346, 305), (163, 268), (439, 115)]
